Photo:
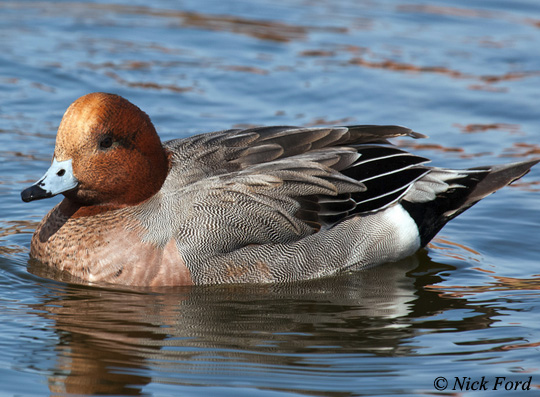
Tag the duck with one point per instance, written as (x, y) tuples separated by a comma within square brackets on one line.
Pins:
[(256, 205)]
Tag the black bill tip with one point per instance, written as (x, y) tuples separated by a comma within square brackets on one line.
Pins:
[(34, 192)]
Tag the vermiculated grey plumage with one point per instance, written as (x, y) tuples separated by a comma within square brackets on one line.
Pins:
[(284, 203)]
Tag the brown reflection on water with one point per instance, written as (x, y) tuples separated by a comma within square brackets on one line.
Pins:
[(244, 69), (467, 254), (10, 154), (454, 250), (323, 121), (487, 87), (388, 64), (429, 146), (317, 53), (100, 331), (278, 31), (474, 128), (504, 284), (17, 81), (509, 76), (534, 22), (13, 227), (522, 149), (447, 10), (148, 84), (132, 65), (117, 341), (260, 29), (116, 46), (459, 12), (487, 80), (264, 30), (532, 186)]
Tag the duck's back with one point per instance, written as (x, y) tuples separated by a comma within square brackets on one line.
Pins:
[(285, 203)]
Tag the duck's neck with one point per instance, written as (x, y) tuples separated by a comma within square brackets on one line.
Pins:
[(73, 210), (145, 185)]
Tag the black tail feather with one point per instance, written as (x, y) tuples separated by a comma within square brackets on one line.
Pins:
[(473, 186)]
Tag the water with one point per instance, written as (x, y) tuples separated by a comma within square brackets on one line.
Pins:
[(465, 72)]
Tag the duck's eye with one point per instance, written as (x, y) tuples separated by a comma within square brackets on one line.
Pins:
[(106, 143)]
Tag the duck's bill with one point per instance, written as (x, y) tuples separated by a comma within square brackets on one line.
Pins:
[(58, 179)]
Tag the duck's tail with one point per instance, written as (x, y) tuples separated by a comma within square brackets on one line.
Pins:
[(462, 189)]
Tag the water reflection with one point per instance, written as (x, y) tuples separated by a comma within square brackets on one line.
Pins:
[(12, 228), (257, 28), (117, 341), (389, 64)]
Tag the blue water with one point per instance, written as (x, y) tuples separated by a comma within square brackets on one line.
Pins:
[(467, 73)]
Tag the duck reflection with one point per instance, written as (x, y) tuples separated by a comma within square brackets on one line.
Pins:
[(113, 341)]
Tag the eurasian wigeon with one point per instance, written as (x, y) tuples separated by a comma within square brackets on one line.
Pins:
[(257, 205)]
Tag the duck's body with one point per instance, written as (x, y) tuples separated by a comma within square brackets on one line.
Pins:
[(259, 205)]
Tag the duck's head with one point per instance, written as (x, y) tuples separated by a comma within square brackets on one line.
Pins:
[(107, 153)]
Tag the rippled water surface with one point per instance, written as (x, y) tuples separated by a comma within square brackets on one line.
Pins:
[(467, 73)]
